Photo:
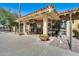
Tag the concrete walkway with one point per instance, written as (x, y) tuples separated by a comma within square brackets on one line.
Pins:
[(14, 45)]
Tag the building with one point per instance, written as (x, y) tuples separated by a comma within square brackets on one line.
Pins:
[(48, 21), (75, 20)]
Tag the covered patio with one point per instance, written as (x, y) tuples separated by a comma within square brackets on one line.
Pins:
[(42, 21)]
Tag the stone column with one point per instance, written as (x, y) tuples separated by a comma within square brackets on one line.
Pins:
[(45, 25), (14, 29), (68, 28), (28, 28), (24, 28), (19, 26)]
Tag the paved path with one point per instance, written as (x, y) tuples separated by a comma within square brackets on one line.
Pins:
[(14, 45)]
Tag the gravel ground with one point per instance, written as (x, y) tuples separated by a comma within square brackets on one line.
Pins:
[(30, 45), (63, 43)]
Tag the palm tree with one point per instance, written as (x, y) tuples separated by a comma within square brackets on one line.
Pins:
[(19, 15)]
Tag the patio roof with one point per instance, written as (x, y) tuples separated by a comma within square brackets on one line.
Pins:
[(68, 11), (48, 11)]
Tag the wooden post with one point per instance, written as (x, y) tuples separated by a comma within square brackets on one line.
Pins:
[(71, 31)]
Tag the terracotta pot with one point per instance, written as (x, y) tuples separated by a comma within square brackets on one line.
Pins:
[(44, 37), (19, 33)]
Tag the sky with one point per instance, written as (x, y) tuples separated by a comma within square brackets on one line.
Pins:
[(31, 7)]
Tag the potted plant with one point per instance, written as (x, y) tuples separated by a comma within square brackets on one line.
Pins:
[(44, 37), (19, 33)]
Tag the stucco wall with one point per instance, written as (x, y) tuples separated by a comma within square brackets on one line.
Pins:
[(74, 26)]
